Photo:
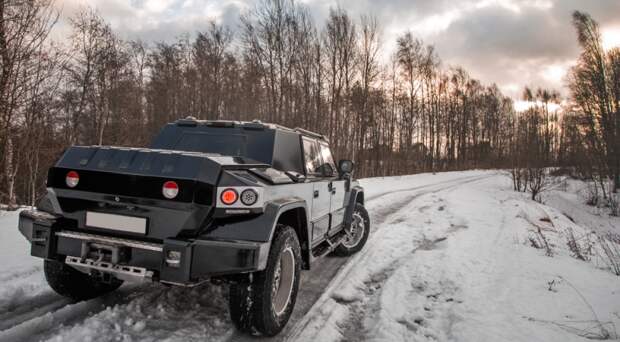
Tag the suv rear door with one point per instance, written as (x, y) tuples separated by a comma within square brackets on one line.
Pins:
[(336, 187), (320, 209)]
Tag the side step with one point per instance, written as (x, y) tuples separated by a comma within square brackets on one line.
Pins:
[(328, 245), (124, 272)]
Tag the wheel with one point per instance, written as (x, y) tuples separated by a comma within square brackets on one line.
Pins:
[(265, 303), (357, 233), (71, 283)]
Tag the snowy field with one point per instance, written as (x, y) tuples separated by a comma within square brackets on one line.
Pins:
[(451, 257)]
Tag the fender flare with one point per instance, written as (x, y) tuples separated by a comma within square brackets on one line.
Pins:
[(274, 210), (357, 195), (262, 228), (259, 228)]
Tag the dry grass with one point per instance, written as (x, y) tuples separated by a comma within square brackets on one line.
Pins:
[(610, 246)]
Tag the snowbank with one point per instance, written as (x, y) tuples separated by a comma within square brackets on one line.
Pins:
[(452, 256), (458, 265)]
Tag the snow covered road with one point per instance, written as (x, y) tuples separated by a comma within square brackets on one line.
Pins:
[(446, 260)]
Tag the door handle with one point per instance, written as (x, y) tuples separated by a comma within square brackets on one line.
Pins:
[(331, 188), (316, 193)]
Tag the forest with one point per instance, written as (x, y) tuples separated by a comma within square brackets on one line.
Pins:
[(404, 114)]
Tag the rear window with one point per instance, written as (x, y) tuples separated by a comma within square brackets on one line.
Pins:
[(312, 156), (224, 144), (327, 156)]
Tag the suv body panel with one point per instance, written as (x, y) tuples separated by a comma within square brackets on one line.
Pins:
[(209, 239)]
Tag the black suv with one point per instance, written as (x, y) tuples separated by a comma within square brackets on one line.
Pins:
[(245, 202)]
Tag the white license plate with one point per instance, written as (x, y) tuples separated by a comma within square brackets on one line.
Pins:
[(116, 222)]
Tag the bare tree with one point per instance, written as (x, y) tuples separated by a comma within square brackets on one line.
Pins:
[(409, 116), (24, 27), (594, 84), (209, 55), (339, 39), (362, 98)]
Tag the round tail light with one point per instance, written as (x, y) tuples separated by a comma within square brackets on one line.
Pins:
[(170, 190), (72, 179), (229, 196), (249, 197)]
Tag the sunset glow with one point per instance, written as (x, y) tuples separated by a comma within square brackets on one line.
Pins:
[(611, 38), (522, 106)]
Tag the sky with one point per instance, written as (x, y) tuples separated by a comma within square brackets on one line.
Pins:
[(513, 43)]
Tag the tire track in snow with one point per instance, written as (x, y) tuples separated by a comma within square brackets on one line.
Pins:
[(32, 308), (50, 317), (354, 329), (12, 276), (349, 265), (41, 314), (314, 283)]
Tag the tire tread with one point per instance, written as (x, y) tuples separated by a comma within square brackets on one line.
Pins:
[(250, 303)]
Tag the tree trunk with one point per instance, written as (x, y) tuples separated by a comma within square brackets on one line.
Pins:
[(10, 173)]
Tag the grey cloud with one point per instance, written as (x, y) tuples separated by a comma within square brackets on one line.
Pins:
[(494, 43), (173, 22), (499, 33), (505, 47), (607, 12), (388, 12)]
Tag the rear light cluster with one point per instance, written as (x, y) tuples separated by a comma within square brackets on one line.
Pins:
[(249, 197), (72, 179), (230, 196), (170, 189)]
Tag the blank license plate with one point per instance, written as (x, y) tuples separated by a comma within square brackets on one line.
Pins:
[(116, 222)]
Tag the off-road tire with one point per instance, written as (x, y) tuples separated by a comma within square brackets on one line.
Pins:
[(343, 250), (71, 283), (252, 309)]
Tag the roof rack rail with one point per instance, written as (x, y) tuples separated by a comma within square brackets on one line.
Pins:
[(221, 123), (189, 121), (310, 133)]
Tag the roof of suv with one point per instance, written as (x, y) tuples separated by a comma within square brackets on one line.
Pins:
[(255, 124)]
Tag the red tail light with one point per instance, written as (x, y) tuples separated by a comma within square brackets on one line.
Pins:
[(229, 196), (72, 179), (170, 190)]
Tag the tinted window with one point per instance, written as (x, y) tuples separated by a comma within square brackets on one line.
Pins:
[(227, 145), (312, 157), (257, 145), (326, 154)]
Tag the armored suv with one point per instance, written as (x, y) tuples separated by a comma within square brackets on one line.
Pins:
[(248, 203)]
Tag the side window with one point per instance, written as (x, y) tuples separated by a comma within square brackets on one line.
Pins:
[(327, 156), (312, 157)]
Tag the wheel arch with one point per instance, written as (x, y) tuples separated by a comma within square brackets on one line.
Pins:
[(297, 219), (293, 212), (356, 196), (360, 197)]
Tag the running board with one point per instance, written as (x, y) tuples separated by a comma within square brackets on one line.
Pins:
[(328, 245)]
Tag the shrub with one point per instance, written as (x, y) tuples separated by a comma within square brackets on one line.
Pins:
[(610, 245), (580, 247)]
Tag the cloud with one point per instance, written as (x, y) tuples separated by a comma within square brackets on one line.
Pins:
[(156, 20), (509, 42), (517, 43)]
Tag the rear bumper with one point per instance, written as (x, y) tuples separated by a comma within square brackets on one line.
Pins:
[(179, 262)]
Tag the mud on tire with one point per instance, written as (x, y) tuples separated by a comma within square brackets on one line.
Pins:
[(71, 283), (260, 306)]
